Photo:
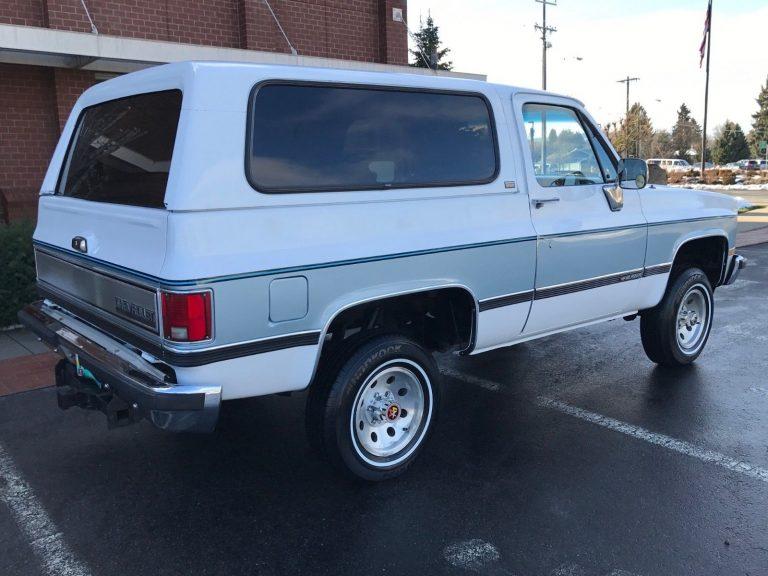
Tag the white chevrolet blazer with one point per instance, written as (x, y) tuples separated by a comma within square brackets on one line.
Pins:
[(212, 231)]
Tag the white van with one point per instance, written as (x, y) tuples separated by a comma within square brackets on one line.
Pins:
[(671, 164)]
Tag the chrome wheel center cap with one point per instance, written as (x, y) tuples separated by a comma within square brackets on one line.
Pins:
[(380, 407)]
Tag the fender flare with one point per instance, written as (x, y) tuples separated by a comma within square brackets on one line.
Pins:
[(387, 295), (700, 235)]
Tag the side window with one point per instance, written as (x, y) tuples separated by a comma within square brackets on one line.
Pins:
[(561, 152), (316, 137)]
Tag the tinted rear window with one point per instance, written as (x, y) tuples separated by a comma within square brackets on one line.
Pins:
[(308, 138), (121, 151)]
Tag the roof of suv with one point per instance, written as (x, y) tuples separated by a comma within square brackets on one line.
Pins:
[(223, 76)]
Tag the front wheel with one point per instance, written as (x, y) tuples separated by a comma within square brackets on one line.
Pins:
[(675, 332), (373, 418)]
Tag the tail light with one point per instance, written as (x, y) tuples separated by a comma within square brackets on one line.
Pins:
[(186, 316)]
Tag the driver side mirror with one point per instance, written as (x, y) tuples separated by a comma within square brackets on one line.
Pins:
[(633, 173)]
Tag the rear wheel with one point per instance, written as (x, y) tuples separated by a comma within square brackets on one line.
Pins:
[(372, 418), (675, 332)]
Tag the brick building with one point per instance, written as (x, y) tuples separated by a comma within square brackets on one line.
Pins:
[(52, 50)]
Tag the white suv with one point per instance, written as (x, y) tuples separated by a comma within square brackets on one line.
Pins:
[(671, 164)]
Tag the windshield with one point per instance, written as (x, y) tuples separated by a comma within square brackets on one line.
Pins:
[(121, 151)]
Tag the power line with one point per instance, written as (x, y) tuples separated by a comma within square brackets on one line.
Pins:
[(545, 44)]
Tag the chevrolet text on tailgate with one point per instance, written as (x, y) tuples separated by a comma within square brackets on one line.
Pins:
[(212, 231)]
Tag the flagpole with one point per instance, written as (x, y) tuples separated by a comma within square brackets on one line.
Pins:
[(706, 93)]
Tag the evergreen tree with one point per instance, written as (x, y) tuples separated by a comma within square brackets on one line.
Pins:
[(428, 46), (661, 145), (730, 145), (686, 135), (760, 122), (635, 136)]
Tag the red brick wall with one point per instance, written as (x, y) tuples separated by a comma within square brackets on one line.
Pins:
[(393, 35), (28, 127), (23, 12), (348, 29), (208, 22), (68, 85)]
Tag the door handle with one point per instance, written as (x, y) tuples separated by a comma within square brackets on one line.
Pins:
[(539, 202)]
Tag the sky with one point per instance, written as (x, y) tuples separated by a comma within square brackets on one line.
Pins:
[(655, 40)]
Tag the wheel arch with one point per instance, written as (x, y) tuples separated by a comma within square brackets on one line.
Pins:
[(706, 249), (337, 311)]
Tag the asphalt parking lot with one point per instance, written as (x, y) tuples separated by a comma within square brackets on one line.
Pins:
[(572, 455)]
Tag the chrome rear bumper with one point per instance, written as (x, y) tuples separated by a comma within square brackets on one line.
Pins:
[(736, 264), (106, 375)]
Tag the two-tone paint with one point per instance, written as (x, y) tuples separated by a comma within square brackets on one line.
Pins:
[(283, 266)]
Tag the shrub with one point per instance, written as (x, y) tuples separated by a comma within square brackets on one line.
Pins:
[(711, 177), (727, 177), (675, 177), (17, 270)]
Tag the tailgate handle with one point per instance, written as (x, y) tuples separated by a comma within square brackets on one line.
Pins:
[(80, 244)]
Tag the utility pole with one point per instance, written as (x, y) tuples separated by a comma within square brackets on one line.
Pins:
[(545, 45), (627, 81)]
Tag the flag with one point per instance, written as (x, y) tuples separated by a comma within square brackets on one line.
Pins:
[(707, 24)]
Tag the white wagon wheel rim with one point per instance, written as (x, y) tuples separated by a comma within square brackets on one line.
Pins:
[(390, 413), (693, 317)]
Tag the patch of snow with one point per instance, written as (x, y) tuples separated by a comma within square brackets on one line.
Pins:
[(471, 555), (729, 187)]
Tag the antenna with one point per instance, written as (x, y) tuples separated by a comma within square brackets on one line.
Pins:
[(544, 29)]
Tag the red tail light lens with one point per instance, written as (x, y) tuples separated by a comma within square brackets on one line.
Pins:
[(186, 316)]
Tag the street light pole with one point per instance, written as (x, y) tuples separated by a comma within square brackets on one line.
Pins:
[(545, 45)]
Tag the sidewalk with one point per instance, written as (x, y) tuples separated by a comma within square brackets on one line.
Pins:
[(25, 363), (753, 228)]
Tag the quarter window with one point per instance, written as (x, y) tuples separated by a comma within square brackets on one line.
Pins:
[(560, 149), (313, 138)]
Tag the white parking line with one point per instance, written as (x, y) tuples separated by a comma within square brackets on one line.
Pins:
[(44, 538), (658, 439), (474, 380), (680, 446)]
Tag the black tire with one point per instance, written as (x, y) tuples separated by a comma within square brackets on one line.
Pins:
[(659, 327), (332, 399)]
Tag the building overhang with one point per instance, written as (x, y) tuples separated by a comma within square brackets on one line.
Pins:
[(36, 46)]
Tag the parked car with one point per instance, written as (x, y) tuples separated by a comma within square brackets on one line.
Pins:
[(671, 164), (213, 231), (749, 164)]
